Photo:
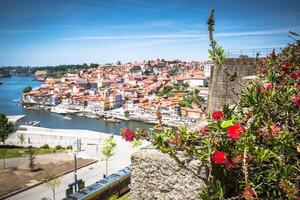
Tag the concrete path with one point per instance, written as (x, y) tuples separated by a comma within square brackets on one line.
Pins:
[(89, 174)]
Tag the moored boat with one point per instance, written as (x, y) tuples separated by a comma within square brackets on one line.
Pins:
[(111, 120)]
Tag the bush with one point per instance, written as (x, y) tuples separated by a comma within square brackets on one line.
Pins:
[(27, 89), (58, 147), (250, 150), (70, 147), (45, 146)]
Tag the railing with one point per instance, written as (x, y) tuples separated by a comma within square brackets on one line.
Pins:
[(251, 53)]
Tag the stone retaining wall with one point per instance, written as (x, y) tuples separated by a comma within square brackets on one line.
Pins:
[(156, 176), (220, 92)]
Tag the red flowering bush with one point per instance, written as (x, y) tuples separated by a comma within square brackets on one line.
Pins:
[(217, 115), (220, 157), (235, 131), (127, 134), (250, 150)]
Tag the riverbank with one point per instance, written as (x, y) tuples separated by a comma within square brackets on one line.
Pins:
[(133, 114)]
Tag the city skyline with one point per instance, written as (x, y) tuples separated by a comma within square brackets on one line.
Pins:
[(39, 33)]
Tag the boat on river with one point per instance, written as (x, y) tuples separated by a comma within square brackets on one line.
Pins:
[(67, 118), (58, 110), (32, 123), (111, 120)]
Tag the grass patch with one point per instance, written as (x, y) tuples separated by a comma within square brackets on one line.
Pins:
[(125, 197), (20, 152)]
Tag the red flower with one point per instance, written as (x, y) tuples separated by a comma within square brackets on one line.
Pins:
[(295, 74), (204, 130), (268, 86), (272, 54), (232, 163), (235, 131), (248, 192), (298, 85), (219, 157), (263, 70), (217, 115), (285, 65), (128, 134), (276, 128), (297, 100)]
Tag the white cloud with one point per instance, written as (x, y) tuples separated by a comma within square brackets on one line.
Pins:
[(182, 36)]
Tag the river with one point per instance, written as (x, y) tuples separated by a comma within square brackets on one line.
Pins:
[(11, 89)]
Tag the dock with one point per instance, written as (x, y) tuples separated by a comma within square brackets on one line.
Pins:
[(15, 118)]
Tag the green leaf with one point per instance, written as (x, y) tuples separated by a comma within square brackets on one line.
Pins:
[(227, 123), (233, 77)]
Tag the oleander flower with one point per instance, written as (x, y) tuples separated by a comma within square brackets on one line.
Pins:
[(219, 157), (235, 131), (285, 65), (276, 128), (295, 74), (263, 70), (128, 134), (233, 161), (297, 100), (248, 193), (204, 130), (268, 86), (217, 115), (272, 54)]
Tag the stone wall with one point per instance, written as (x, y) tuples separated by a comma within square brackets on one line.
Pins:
[(156, 176), (220, 91)]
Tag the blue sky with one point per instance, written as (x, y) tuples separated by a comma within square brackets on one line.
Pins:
[(52, 32)]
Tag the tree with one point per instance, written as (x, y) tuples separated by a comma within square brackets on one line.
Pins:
[(126, 112), (6, 129), (21, 138), (108, 150), (27, 89), (31, 159), (52, 182)]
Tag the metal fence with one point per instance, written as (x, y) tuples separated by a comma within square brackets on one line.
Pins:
[(252, 53)]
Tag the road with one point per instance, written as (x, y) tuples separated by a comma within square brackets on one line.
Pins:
[(89, 174)]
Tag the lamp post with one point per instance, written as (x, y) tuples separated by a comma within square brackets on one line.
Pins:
[(75, 171), (151, 134)]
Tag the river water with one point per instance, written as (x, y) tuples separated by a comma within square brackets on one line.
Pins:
[(11, 89)]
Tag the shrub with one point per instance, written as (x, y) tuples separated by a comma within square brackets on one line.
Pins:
[(250, 150), (27, 89), (58, 147), (45, 146)]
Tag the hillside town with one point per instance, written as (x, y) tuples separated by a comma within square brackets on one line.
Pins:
[(132, 91)]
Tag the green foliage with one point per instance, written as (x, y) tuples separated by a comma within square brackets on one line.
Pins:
[(31, 159), (45, 146), (250, 151), (6, 129), (126, 113), (58, 147), (186, 101), (27, 89), (21, 138), (108, 149), (52, 182), (137, 143)]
